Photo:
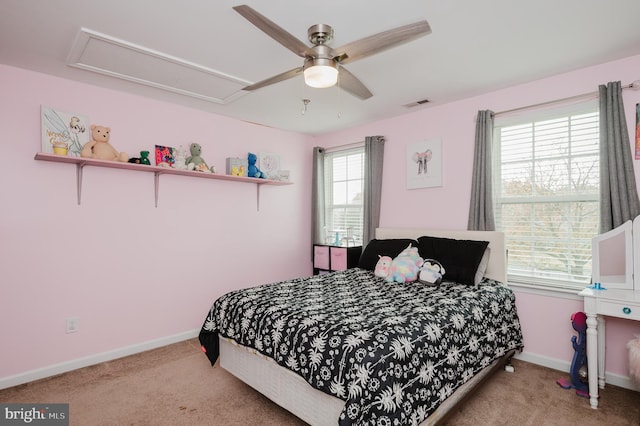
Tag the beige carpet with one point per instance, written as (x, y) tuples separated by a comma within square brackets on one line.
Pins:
[(176, 385)]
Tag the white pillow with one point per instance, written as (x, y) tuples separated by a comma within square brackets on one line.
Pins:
[(482, 267)]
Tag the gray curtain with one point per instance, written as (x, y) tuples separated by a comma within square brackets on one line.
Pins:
[(618, 194), (374, 156), (317, 198), (481, 205)]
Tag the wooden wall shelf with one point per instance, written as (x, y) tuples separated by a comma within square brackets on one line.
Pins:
[(156, 170)]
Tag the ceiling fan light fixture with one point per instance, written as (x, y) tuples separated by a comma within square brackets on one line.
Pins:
[(320, 73)]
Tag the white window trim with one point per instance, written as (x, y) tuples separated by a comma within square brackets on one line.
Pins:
[(357, 147), (541, 286)]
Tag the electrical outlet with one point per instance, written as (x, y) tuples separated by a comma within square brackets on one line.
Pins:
[(73, 325)]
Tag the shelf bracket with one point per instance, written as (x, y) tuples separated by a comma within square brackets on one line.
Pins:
[(257, 197), (79, 168), (156, 186)]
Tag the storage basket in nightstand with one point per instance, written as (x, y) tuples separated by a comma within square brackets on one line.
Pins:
[(334, 258)]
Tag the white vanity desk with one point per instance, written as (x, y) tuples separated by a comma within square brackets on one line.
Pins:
[(616, 267), (597, 305)]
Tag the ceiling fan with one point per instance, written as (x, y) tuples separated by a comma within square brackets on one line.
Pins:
[(323, 63)]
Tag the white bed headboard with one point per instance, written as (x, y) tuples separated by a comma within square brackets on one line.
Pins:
[(497, 267)]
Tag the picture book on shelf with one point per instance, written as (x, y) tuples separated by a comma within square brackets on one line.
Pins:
[(165, 156), (63, 133)]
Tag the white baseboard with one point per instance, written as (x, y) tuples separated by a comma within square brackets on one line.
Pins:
[(561, 365), (52, 370), (41, 373)]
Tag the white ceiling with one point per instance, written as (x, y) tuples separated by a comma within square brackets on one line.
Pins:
[(209, 51)]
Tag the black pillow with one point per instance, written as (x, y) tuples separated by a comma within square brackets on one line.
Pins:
[(375, 248), (460, 258)]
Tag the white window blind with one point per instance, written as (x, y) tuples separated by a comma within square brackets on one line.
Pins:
[(344, 184), (547, 194)]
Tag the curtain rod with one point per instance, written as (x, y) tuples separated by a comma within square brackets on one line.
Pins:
[(347, 146), (635, 86)]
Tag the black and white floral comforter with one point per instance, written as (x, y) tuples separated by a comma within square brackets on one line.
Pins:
[(392, 352)]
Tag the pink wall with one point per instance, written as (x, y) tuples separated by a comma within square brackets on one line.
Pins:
[(545, 319), (160, 269), (129, 271)]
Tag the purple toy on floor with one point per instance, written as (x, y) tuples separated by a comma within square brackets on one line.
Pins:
[(578, 371)]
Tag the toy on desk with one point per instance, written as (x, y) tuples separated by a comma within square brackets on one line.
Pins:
[(596, 286), (578, 371)]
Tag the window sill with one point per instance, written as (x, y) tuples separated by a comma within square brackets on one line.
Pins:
[(557, 292)]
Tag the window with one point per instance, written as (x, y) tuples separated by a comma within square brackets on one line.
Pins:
[(344, 185), (547, 194)]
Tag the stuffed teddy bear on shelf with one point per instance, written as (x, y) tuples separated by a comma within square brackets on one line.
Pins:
[(100, 148), (252, 170)]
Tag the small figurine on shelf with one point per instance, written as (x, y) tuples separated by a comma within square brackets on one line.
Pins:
[(180, 158), (237, 171), (144, 158), (196, 162)]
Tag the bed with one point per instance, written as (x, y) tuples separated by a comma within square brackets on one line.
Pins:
[(349, 348)]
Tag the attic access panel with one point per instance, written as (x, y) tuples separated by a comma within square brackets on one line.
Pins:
[(96, 52)]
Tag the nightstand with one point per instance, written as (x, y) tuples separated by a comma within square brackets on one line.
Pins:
[(334, 258)]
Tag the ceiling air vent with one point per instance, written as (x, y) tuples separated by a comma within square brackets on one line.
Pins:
[(416, 103)]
